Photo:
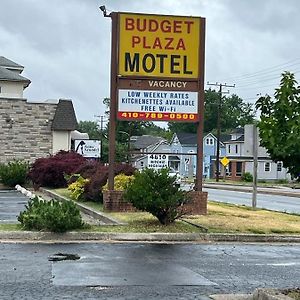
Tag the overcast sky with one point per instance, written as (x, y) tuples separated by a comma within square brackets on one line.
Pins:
[(65, 44)]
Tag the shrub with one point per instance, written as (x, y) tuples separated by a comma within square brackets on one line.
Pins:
[(14, 172), (49, 172), (77, 188), (157, 193), (50, 215), (121, 182), (262, 181), (282, 181), (247, 177), (97, 174)]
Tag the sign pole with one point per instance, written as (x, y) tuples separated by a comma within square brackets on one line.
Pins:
[(199, 170), (113, 102)]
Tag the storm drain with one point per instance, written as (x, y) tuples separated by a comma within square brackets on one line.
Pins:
[(63, 256)]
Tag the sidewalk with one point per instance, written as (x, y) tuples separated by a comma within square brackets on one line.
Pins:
[(282, 191), (71, 237)]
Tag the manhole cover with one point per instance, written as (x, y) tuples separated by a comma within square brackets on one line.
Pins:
[(63, 256)]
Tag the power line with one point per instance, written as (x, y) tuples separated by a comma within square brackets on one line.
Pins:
[(265, 70), (220, 85), (260, 78)]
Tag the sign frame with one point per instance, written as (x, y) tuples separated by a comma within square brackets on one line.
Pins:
[(117, 82), (140, 82)]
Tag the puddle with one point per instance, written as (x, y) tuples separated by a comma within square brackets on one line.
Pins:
[(63, 256)]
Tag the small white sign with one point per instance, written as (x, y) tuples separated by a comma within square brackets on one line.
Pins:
[(88, 148), (158, 161), (158, 101)]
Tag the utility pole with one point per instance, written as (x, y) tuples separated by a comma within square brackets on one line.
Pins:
[(220, 85), (255, 163), (101, 134)]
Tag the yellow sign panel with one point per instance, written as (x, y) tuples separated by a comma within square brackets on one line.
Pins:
[(225, 161), (159, 46)]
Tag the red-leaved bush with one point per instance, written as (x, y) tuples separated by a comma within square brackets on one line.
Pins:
[(50, 171), (97, 173)]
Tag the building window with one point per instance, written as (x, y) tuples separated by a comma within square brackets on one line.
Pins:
[(236, 149), (267, 167), (228, 169), (0, 89), (209, 141), (228, 148), (279, 166), (239, 166)]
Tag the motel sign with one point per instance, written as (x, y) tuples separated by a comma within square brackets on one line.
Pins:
[(159, 67)]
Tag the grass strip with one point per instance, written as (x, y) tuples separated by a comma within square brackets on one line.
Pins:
[(221, 218)]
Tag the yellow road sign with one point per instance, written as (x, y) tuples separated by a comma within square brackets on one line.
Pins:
[(225, 161)]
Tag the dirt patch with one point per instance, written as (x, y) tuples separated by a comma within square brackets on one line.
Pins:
[(292, 293)]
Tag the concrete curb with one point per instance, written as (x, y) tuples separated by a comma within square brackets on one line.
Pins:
[(270, 294), (85, 209), (259, 294), (144, 237), (136, 237)]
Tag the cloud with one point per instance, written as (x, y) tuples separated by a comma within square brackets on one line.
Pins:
[(65, 45)]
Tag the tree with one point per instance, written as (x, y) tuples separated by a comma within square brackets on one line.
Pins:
[(279, 124), (234, 113), (90, 127), (127, 129), (176, 127)]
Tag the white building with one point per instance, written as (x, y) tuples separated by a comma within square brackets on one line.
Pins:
[(30, 130), (239, 150)]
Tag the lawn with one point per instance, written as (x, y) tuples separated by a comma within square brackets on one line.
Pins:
[(240, 219), (221, 218), (10, 227)]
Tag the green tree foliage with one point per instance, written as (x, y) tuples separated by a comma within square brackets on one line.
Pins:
[(280, 123), (176, 127), (126, 129), (234, 113), (90, 127), (157, 193)]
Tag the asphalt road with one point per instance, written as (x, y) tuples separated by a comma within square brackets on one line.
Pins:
[(272, 202), (144, 271), (11, 204)]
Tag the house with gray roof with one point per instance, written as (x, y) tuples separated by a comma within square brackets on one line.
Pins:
[(239, 151), (184, 145), (12, 84), (155, 155), (142, 142), (30, 130)]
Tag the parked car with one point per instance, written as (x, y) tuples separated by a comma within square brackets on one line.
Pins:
[(173, 173)]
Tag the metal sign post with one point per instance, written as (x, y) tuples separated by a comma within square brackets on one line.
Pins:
[(113, 102)]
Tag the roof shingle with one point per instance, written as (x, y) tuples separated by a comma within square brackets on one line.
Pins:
[(64, 118), (6, 75), (7, 63)]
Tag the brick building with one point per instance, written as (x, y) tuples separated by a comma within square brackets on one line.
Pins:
[(30, 130)]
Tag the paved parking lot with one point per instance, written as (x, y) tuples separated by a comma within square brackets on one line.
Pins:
[(137, 271), (11, 204)]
